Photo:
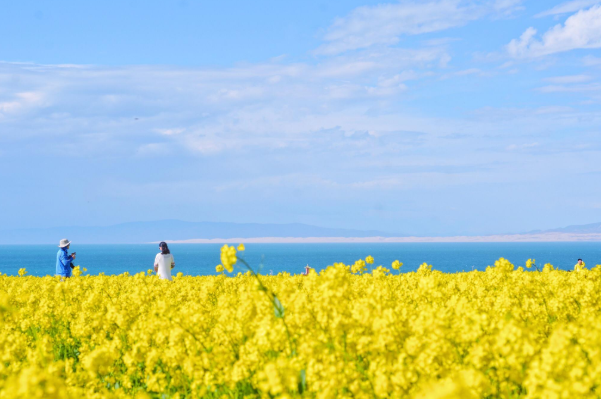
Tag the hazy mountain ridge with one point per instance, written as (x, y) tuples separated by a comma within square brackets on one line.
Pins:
[(591, 228), (177, 230), (143, 232)]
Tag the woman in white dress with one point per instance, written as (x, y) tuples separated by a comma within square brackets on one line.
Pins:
[(163, 262)]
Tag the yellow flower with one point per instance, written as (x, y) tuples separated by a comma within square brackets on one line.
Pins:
[(548, 268), (369, 260), (396, 265), (380, 271), (228, 257), (22, 272), (219, 268), (424, 268), (99, 361), (358, 266), (424, 334), (241, 247)]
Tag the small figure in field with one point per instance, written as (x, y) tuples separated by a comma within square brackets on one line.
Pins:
[(579, 266), (64, 261), (307, 270), (163, 262)]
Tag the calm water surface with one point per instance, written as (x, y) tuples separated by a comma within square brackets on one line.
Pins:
[(201, 259)]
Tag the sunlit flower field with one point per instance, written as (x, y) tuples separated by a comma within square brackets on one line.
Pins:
[(350, 331)]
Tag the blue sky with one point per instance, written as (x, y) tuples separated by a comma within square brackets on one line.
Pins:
[(430, 118)]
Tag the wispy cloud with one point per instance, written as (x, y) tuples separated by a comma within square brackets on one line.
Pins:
[(210, 112), (580, 31), (170, 132), (20, 102), (567, 7), (207, 111), (590, 60), (384, 24), (569, 79), (582, 88), (522, 147)]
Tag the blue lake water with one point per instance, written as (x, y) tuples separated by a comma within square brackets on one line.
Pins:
[(201, 259)]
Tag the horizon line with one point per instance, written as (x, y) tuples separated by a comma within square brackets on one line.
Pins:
[(539, 237)]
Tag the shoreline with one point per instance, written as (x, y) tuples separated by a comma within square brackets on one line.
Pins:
[(542, 237)]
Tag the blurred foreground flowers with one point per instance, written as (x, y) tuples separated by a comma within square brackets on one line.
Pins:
[(344, 332)]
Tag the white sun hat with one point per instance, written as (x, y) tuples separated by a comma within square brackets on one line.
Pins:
[(64, 243)]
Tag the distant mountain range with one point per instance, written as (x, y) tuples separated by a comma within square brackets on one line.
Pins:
[(172, 230), (593, 228), (177, 230)]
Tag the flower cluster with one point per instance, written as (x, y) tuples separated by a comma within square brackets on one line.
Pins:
[(396, 265), (228, 258), (359, 266), (502, 333)]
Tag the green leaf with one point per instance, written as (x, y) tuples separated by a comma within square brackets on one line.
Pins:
[(302, 384), (278, 308)]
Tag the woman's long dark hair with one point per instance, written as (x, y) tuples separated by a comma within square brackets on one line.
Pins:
[(164, 248)]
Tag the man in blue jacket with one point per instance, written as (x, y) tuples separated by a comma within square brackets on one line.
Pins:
[(63, 259)]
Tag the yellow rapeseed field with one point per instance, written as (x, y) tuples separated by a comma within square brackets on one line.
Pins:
[(503, 333)]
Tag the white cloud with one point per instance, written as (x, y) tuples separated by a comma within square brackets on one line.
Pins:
[(522, 147), (507, 6), (170, 132), (347, 115), (568, 7), (553, 109), (128, 110), (383, 24), (589, 60), (580, 31), (310, 109), (569, 79), (20, 102), (591, 87)]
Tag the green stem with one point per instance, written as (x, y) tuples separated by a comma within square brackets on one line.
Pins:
[(271, 295)]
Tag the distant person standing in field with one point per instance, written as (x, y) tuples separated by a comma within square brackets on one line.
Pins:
[(580, 265), (163, 262), (64, 260), (307, 270)]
